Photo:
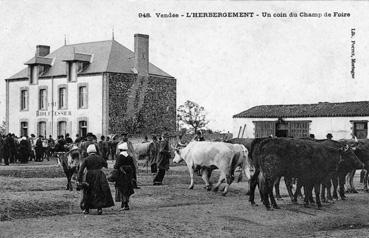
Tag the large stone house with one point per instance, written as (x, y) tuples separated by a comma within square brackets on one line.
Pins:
[(100, 87)]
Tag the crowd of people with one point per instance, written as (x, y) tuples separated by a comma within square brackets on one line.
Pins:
[(23, 149)]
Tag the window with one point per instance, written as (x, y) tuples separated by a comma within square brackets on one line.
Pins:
[(24, 128), (298, 129), (24, 100), (361, 129), (264, 128), (71, 71), (41, 128), (42, 99), (33, 74), (62, 128), (82, 97), (62, 98), (82, 128)]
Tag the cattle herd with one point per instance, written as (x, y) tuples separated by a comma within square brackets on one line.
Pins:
[(322, 166), (318, 165)]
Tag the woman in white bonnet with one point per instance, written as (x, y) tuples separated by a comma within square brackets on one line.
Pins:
[(97, 194), (23, 150), (126, 173)]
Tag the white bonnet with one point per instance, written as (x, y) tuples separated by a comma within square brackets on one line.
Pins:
[(91, 149)]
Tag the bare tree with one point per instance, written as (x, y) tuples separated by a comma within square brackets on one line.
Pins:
[(2, 128), (191, 114)]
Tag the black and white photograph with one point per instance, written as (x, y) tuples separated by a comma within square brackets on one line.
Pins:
[(184, 118)]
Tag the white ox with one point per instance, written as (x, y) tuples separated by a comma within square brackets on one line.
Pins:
[(224, 156)]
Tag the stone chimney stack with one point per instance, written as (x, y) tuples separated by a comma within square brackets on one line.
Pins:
[(142, 54), (42, 50)]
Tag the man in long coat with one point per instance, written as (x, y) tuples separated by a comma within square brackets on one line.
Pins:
[(153, 155), (163, 160), (9, 149)]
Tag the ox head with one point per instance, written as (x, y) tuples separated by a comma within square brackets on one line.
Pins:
[(177, 155), (73, 158), (348, 159)]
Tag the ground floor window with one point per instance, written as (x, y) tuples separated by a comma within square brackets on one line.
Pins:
[(24, 128), (264, 128), (360, 129), (62, 128), (82, 130), (41, 128), (282, 128), (298, 129)]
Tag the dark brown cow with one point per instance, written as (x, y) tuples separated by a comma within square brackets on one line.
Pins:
[(308, 161), (70, 162)]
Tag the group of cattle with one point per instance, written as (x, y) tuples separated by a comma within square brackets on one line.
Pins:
[(312, 164)]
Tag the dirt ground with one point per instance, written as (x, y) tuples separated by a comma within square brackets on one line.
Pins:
[(33, 203)]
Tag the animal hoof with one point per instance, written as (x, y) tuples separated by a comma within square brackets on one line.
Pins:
[(248, 193), (215, 189), (354, 191), (254, 204), (276, 207), (190, 187)]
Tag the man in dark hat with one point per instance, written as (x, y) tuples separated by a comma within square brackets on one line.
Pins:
[(163, 159), (9, 148), (329, 136), (89, 140), (68, 140), (39, 149)]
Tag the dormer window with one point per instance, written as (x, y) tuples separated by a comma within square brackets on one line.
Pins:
[(71, 71), (76, 63), (33, 74), (40, 64)]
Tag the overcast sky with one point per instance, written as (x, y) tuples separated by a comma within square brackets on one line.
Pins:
[(226, 65)]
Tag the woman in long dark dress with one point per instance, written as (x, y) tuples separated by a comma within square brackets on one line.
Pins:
[(96, 194), (123, 185)]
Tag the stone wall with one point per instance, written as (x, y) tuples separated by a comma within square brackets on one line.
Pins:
[(158, 112)]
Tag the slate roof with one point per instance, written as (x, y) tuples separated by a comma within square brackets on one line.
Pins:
[(107, 56), (322, 109)]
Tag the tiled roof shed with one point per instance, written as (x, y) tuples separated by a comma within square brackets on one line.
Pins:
[(322, 109)]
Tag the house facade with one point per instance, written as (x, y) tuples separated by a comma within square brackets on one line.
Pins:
[(100, 87), (342, 120)]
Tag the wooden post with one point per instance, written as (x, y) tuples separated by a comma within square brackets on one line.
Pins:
[(243, 132), (239, 132)]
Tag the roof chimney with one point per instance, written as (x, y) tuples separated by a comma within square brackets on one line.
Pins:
[(42, 50), (142, 54)]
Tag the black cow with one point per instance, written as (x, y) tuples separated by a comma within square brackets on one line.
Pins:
[(308, 161), (362, 152), (70, 162)]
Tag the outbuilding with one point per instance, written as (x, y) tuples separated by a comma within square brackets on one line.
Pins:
[(343, 120)]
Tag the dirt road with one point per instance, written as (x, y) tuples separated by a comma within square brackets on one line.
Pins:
[(174, 211)]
